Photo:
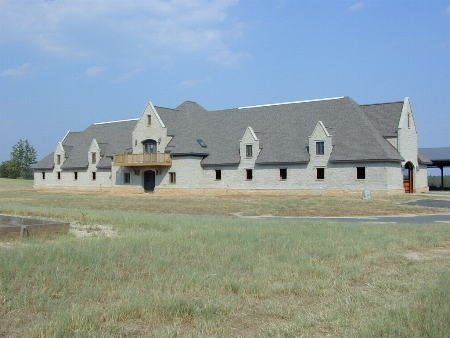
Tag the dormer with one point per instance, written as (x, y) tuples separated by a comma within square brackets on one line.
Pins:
[(150, 127), (320, 144), (249, 148), (94, 153), (407, 134), (59, 155)]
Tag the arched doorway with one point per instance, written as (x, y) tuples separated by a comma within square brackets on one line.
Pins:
[(149, 180), (408, 177), (150, 146)]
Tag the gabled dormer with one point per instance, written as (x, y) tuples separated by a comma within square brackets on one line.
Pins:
[(320, 145), (150, 132), (59, 156), (94, 153), (249, 148)]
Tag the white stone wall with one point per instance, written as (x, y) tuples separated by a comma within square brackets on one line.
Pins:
[(155, 131), (103, 179), (408, 145)]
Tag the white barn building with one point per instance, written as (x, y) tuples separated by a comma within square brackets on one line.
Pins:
[(325, 145)]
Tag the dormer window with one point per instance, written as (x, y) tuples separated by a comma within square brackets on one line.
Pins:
[(249, 150), (149, 120), (58, 159), (409, 121), (320, 148), (94, 158)]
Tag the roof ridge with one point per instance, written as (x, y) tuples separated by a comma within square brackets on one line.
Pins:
[(377, 104), (292, 102), (135, 119)]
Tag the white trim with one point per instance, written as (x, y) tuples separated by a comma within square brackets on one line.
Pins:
[(115, 121), (253, 133), (282, 103), (65, 136), (156, 114), (325, 129)]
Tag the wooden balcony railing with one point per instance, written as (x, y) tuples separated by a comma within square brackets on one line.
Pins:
[(141, 160)]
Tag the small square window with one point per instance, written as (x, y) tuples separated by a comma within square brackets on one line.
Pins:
[(173, 177), (126, 178), (249, 150), (283, 174), (43, 175), (59, 175), (94, 175), (149, 120), (218, 175), (249, 173), (320, 148), (94, 158), (361, 173), (58, 159), (320, 172), (75, 175)]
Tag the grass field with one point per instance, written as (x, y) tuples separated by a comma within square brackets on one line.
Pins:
[(175, 275), (17, 196)]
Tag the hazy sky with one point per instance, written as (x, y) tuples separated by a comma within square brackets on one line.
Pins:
[(65, 64)]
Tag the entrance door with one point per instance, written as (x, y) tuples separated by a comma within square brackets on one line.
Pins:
[(149, 180), (408, 177)]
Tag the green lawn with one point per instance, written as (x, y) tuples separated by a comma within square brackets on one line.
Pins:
[(174, 275)]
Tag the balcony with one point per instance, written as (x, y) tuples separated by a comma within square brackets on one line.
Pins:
[(142, 160)]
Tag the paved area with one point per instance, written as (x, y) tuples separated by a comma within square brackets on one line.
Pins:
[(431, 203), (417, 219)]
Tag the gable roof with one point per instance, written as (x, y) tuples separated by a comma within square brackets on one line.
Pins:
[(283, 129), (385, 117)]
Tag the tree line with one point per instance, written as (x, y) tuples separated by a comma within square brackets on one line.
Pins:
[(23, 155)]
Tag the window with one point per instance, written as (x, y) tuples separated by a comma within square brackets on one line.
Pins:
[(149, 120), (218, 175), (43, 175), (320, 173), (94, 175), (283, 174), (320, 148), (249, 150), (75, 175), (173, 177), (94, 158), (126, 178), (149, 146), (58, 159), (249, 173), (59, 175), (361, 173)]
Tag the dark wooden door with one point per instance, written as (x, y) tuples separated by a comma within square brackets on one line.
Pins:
[(149, 180)]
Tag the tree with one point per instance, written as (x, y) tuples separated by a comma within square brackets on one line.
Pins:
[(23, 155)]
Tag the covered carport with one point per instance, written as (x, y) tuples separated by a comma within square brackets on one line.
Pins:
[(436, 158)]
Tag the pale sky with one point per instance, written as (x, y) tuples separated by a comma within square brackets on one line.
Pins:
[(65, 64)]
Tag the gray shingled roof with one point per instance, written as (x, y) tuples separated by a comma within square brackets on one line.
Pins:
[(283, 131), (385, 117), (358, 133), (47, 163), (440, 154)]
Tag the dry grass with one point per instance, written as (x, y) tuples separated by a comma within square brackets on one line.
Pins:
[(15, 197)]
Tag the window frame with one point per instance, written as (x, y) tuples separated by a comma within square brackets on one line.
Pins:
[(249, 150), (172, 177), (149, 120), (320, 148), (363, 173), (320, 170), (94, 157), (249, 174), (281, 174), (218, 174)]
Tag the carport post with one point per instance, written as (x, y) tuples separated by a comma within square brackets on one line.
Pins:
[(442, 177)]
